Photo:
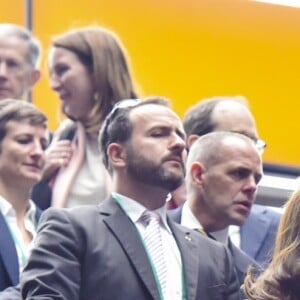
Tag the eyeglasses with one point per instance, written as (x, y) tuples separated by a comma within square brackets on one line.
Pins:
[(259, 143), (125, 103)]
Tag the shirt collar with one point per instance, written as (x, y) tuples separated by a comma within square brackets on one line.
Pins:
[(134, 209), (189, 220), (7, 209)]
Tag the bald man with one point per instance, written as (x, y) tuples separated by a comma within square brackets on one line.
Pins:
[(223, 170), (257, 235)]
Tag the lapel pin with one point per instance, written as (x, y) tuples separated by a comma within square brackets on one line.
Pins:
[(188, 237)]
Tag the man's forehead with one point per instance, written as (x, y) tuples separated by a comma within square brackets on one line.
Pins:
[(11, 40), (14, 45), (231, 108), (231, 116), (154, 113), (240, 151)]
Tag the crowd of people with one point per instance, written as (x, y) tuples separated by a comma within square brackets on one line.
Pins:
[(125, 200)]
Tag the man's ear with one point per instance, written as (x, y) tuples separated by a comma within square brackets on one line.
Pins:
[(117, 155), (34, 78), (196, 172), (191, 139)]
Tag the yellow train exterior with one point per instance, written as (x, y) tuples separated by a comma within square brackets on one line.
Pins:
[(187, 50)]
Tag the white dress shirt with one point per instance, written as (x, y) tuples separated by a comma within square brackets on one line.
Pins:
[(134, 210), (9, 214), (235, 235), (190, 221)]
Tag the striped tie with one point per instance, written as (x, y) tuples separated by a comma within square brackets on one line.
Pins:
[(153, 242)]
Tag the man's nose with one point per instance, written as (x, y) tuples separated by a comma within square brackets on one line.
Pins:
[(3, 69), (251, 185), (178, 142)]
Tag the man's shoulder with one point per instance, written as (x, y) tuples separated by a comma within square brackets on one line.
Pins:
[(82, 213), (202, 241), (175, 214), (262, 211), (243, 258)]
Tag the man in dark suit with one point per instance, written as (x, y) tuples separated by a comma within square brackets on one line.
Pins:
[(233, 114), (223, 170), (101, 252)]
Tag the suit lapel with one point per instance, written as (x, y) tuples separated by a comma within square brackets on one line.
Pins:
[(175, 214), (8, 252), (252, 236), (190, 258), (242, 261), (128, 236)]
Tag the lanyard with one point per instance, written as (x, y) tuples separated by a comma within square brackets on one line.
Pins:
[(118, 199)]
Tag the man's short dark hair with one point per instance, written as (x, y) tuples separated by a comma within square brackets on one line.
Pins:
[(117, 127)]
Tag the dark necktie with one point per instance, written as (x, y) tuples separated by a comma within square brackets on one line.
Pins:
[(203, 232)]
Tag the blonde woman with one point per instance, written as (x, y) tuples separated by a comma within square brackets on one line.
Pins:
[(281, 280)]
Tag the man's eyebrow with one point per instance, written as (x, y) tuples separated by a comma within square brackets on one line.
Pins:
[(181, 133)]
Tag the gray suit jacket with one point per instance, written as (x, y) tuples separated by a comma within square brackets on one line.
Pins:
[(259, 232), (94, 252), (241, 261)]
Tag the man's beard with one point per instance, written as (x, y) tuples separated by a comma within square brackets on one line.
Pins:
[(144, 170)]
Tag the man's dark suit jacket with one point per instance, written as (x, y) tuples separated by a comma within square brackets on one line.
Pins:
[(95, 252), (241, 260), (9, 263), (259, 232)]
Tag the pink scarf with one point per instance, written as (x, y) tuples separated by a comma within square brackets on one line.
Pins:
[(66, 175)]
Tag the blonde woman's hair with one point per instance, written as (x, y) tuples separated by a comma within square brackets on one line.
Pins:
[(281, 280), (101, 51)]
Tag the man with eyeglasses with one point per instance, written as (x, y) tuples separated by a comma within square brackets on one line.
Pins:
[(257, 235), (19, 60), (127, 248)]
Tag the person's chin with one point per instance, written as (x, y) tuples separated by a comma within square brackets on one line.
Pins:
[(238, 219), (33, 177), (175, 167), (5, 93)]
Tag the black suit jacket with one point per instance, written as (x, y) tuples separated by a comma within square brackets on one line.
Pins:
[(95, 252), (241, 260)]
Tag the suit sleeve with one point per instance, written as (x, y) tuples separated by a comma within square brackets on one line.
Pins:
[(11, 293), (53, 269)]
